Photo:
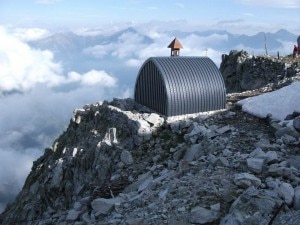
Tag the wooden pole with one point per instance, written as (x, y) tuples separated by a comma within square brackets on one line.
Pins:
[(266, 44)]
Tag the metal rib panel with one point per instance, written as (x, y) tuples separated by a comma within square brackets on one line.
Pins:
[(180, 85)]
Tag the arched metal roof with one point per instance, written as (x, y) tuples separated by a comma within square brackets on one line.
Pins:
[(180, 85)]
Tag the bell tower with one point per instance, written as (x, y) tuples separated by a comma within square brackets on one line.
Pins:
[(175, 46)]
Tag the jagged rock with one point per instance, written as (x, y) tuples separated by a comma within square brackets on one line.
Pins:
[(275, 125), (179, 125), (197, 132), (272, 183), (163, 175), (192, 152), (179, 151), (87, 218), (286, 131), (288, 139), (103, 206), (77, 206), (135, 185), (271, 157), (143, 129), (255, 164), (224, 161), (297, 198), (135, 221), (145, 184), (294, 161), (289, 218), (264, 144), (246, 180), (286, 191), (278, 170), (227, 153), (155, 120), (252, 206), (283, 189), (162, 194), (85, 201), (126, 157), (258, 153), (200, 215), (292, 116), (57, 175), (296, 123), (79, 223), (242, 72), (73, 215), (224, 129)]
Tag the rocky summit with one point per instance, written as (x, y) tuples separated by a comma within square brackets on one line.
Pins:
[(242, 72), (120, 163)]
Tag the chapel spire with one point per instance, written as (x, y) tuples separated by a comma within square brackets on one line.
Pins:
[(175, 46)]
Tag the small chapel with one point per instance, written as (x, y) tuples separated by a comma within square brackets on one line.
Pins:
[(177, 85)]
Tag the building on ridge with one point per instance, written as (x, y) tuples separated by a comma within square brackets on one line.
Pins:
[(178, 85)]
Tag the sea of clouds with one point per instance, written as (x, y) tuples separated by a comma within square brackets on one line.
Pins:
[(36, 102)]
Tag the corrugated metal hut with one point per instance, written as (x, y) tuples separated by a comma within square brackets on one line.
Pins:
[(180, 85)]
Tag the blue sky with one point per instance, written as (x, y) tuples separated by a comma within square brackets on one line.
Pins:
[(238, 15)]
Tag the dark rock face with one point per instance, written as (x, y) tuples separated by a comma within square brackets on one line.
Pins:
[(81, 161), (120, 163), (242, 72), (296, 123)]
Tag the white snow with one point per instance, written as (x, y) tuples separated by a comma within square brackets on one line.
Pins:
[(279, 103)]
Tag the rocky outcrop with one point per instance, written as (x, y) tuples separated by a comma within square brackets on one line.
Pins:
[(100, 139), (242, 72), (120, 163)]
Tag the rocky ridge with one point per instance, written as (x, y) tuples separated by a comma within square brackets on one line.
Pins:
[(121, 163), (242, 72)]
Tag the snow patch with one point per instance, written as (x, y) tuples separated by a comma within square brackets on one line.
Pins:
[(279, 103)]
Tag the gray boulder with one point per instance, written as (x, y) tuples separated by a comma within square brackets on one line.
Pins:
[(200, 215), (103, 206), (246, 180), (289, 218), (255, 165), (252, 207), (297, 198), (296, 123), (126, 157)]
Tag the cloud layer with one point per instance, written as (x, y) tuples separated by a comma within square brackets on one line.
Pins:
[(36, 102), (22, 68)]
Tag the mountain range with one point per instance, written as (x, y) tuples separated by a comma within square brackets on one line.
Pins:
[(82, 53), (74, 43)]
